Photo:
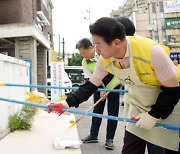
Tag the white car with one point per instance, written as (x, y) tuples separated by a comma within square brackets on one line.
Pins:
[(67, 83)]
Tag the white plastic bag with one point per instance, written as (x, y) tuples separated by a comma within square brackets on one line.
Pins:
[(62, 143)]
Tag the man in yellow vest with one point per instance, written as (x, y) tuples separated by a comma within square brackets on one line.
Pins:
[(154, 90), (88, 63)]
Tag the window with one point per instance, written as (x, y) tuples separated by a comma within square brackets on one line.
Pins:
[(156, 37), (162, 20), (45, 2), (154, 22), (75, 73), (164, 37), (161, 7), (153, 7), (162, 15), (40, 24), (50, 11), (49, 36)]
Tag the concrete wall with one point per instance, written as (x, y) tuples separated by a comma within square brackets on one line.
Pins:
[(42, 67), (12, 71), (29, 48), (26, 48)]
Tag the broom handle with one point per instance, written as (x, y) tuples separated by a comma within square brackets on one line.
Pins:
[(97, 102)]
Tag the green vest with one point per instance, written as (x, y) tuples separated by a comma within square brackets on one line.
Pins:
[(90, 65)]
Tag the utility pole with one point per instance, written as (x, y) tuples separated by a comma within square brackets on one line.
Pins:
[(63, 54)]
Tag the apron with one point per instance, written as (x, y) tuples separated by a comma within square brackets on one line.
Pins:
[(139, 99)]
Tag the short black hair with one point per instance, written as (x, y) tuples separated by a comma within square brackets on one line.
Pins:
[(175, 58), (128, 25), (108, 28), (83, 43)]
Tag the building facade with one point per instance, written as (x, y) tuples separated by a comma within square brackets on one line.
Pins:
[(26, 33), (158, 20)]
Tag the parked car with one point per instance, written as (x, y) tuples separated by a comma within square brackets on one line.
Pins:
[(67, 83), (75, 74)]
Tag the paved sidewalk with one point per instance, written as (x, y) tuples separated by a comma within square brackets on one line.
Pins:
[(46, 126), (99, 148), (40, 139)]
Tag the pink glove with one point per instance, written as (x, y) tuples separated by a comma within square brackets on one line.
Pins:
[(57, 108), (145, 120)]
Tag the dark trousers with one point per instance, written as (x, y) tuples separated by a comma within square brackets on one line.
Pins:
[(113, 110), (153, 149), (136, 145)]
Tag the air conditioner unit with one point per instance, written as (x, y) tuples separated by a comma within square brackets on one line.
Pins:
[(43, 18)]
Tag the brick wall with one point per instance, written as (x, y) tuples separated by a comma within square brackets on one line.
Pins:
[(18, 11), (15, 11), (28, 10), (9, 11)]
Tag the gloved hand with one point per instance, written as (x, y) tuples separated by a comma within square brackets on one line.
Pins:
[(57, 108), (145, 121)]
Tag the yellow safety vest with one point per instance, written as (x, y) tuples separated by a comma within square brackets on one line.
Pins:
[(141, 52), (91, 66), (166, 49), (178, 70)]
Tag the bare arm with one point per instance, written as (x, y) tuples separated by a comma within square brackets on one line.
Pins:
[(87, 89), (173, 82), (166, 72), (164, 68), (96, 81), (98, 74)]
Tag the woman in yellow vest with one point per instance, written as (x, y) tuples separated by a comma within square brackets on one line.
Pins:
[(154, 91)]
